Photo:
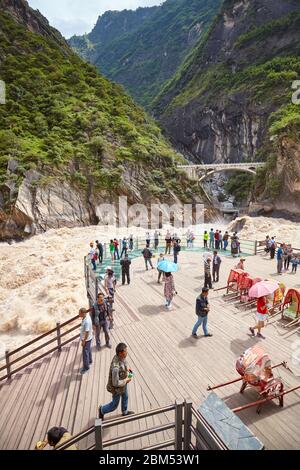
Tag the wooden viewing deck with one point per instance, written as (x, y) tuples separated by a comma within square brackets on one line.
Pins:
[(168, 364)]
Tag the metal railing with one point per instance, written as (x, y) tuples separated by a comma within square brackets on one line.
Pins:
[(191, 430), (208, 166), (261, 245), (57, 333)]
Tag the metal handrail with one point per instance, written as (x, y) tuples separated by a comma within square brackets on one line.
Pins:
[(118, 421), (57, 338), (183, 427), (162, 445), (139, 434)]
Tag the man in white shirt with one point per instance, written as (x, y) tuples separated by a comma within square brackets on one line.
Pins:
[(86, 336)]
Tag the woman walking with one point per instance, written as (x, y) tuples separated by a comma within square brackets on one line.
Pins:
[(169, 289), (261, 315)]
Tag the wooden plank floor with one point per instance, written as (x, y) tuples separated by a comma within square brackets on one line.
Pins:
[(168, 364)]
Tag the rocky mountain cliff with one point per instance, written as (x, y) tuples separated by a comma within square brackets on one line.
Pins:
[(142, 49), (217, 106), (69, 139)]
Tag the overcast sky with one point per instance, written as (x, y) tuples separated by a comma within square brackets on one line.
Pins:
[(79, 16)]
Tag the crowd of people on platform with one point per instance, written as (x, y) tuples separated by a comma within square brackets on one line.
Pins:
[(284, 253), (100, 315)]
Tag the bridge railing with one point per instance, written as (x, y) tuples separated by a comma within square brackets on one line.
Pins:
[(221, 165)]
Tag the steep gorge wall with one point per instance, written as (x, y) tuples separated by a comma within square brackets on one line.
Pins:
[(217, 106)]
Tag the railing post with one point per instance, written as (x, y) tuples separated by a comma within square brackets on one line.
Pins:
[(7, 364), (87, 274), (187, 424), (255, 247), (58, 336), (178, 424), (98, 434), (96, 289)]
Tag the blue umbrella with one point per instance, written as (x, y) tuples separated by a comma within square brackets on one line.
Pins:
[(167, 266)]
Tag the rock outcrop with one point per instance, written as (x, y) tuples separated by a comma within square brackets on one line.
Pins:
[(217, 106), (286, 201), (70, 140)]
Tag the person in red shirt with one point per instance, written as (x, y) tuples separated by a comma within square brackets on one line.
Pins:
[(217, 237), (116, 253), (261, 315)]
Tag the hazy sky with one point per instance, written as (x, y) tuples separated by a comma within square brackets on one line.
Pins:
[(79, 16)]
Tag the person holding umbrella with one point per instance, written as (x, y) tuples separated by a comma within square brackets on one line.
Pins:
[(261, 290), (169, 290)]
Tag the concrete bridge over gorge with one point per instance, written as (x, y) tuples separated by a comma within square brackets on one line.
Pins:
[(202, 172)]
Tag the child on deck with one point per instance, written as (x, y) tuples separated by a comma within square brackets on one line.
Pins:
[(295, 261)]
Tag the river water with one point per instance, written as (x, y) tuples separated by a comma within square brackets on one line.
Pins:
[(42, 278)]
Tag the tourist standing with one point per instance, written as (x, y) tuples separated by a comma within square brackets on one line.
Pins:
[(205, 239), (100, 315), (202, 309), (192, 239), (168, 239), (160, 273), (93, 256), (272, 248), (148, 239), (86, 336), (285, 255), (216, 263), (176, 250), (125, 264), (261, 315), (217, 239), (220, 240), (234, 244), (147, 254), (207, 273), (131, 242), (211, 239), (188, 239), (279, 258), (289, 256), (169, 289), (295, 262), (116, 252), (124, 247), (112, 250), (156, 239), (118, 379), (100, 251), (267, 244), (110, 282), (225, 240)]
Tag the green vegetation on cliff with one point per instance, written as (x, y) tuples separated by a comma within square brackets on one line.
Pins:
[(145, 55), (62, 117)]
